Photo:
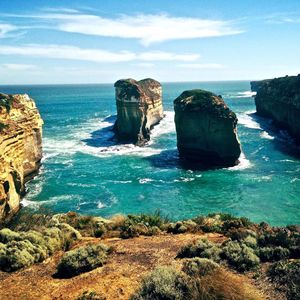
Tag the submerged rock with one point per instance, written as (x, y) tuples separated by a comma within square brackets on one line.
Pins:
[(279, 99), (20, 149), (206, 129), (139, 108)]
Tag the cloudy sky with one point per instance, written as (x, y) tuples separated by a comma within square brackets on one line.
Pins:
[(88, 41)]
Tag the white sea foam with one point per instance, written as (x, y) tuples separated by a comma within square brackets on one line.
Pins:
[(245, 94), (244, 163), (145, 180), (74, 143), (184, 179), (266, 135), (100, 205), (246, 120), (165, 126)]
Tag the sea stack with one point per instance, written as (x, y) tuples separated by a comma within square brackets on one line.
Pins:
[(279, 99), (206, 129), (20, 149), (139, 108)]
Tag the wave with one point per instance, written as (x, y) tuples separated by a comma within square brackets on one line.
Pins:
[(267, 136), (248, 121), (100, 131), (245, 94), (244, 163)]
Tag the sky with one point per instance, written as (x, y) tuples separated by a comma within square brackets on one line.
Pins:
[(90, 41)]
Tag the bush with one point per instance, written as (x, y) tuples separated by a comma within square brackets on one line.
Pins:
[(220, 284), (287, 276), (199, 266), (202, 248), (182, 227), (82, 260), (86, 225), (164, 283), (136, 225), (22, 249), (273, 253), (239, 256)]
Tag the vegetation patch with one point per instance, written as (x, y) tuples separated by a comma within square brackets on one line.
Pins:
[(193, 283), (81, 260), (22, 249), (286, 275)]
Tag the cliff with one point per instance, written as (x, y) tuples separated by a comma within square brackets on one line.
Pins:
[(206, 129), (139, 108), (20, 149), (279, 99)]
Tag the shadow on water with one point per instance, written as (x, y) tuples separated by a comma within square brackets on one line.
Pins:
[(282, 141), (169, 159), (103, 137)]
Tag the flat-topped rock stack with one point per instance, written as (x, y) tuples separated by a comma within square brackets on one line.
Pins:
[(139, 108), (206, 129), (20, 149)]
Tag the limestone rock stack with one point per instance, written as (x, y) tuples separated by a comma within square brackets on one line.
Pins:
[(20, 149), (279, 99), (139, 108), (206, 129)]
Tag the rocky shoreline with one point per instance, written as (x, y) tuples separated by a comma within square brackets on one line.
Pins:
[(279, 99), (20, 149)]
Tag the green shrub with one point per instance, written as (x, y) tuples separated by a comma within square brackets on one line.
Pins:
[(286, 274), (201, 248), (164, 283), (82, 260), (135, 225), (22, 249), (7, 235), (199, 266), (239, 256), (273, 253), (250, 241), (239, 234), (182, 227)]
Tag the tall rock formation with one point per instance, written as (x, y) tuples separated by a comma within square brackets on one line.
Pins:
[(279, 99), (139, 108), (20, 149), (206, 129)]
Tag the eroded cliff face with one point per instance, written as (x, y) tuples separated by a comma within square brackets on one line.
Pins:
[(206, 129), (279, 99), (139, 108), (20, 149)]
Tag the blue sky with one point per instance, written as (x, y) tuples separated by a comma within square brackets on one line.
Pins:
[(101, 41)]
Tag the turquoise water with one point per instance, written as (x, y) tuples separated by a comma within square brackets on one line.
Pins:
[(83, 171)]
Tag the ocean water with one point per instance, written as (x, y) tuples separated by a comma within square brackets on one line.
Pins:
[(84, 171)]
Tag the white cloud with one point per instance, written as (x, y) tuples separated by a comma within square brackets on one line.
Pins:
[(5, 29), (19, 67), (202, 66), (148, 29), (283, 18), (166, 56), (93, 55)]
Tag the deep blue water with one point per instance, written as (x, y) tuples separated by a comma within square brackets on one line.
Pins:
[(83, 171)]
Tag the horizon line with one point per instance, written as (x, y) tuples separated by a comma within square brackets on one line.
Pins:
[(108, 83)]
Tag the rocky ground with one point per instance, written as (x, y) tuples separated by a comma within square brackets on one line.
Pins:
[(119, 278)]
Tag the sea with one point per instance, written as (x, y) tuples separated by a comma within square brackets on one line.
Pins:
[(84, 170)]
